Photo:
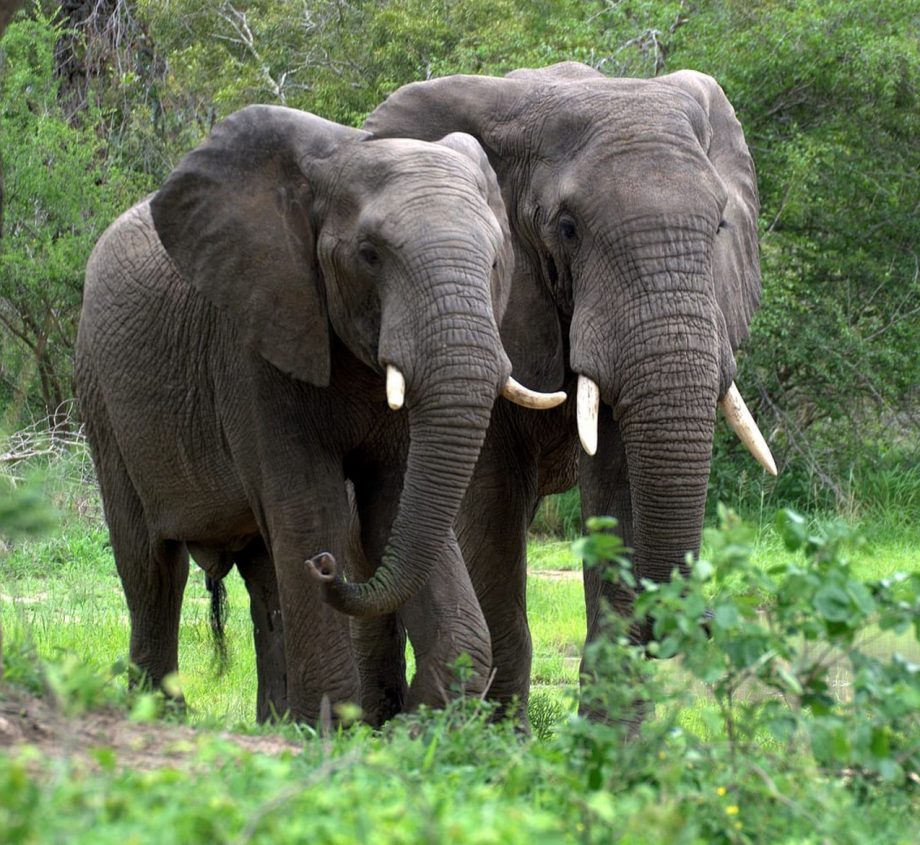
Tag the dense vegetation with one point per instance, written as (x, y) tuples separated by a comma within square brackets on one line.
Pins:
[(99, 99), (791, 724), (797, 722)]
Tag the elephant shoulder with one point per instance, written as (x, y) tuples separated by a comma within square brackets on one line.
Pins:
[(129, 252)]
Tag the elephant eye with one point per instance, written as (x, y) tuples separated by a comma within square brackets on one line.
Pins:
[(369, 255), (568, 231), (723, 224)]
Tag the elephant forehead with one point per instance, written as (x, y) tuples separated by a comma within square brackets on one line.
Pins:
[(401, 216), (615, 116), (413, 165)]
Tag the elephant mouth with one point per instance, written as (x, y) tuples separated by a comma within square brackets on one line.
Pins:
[(588, 397)]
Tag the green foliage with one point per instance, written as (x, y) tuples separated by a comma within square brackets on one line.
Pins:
[(559, 516), (777, 642), (827, 93), (61, 193), (748, 735), (341, 59), (24, 509)]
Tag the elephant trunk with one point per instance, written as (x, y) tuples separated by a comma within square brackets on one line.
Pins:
[(666, 414), (669, 363), (448, 411), (668, 474)]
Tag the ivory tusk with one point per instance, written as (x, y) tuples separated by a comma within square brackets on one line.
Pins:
[(742, 423), (589, 400), (515, 392), (396, 388)]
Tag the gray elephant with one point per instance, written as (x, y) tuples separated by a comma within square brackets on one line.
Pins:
[(235, 330), (633, 208)]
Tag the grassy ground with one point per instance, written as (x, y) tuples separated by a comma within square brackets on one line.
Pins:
[(97, 777), (62, 595)]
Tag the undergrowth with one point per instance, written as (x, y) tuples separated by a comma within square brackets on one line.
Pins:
[(778, 754)]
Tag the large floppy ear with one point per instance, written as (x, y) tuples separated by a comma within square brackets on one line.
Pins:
[(476, 105), (492, 110), (468, 146), (736, 261), (235, 217)]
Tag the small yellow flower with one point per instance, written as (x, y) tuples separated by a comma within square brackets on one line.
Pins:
[(721, 790), (732, 809)]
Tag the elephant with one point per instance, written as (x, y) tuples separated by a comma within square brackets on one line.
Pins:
[(243, 331), (633, 211)]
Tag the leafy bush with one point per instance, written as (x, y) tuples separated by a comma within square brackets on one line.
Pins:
[(744, 738), (777, 642)]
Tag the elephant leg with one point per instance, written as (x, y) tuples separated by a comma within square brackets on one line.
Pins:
[(153, 575), (492, 531), (604, 482), (258, 570), (445, 621), (304, 517), (379, 641), (605, 491)]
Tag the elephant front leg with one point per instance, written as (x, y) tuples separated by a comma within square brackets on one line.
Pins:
[(605, 491), (448, 632), (443, 620), (492, 531), (258, 570), (380, 641), (604, 483), (302, 522)]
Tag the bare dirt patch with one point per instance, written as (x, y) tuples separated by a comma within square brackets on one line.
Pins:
[(106, 735)]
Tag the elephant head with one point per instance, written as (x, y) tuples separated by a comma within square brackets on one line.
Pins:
[(633, 205), (311, 236)]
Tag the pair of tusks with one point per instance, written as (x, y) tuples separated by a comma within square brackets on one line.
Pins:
[(732, 405), (513, 390)]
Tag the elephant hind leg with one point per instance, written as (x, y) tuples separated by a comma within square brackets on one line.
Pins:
[(256, 566), (153, 575)]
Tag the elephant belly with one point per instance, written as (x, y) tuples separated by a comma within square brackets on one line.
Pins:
[(198, 500)]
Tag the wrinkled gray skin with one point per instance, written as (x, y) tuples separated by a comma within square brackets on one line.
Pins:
[(633, 209), (230, 358)]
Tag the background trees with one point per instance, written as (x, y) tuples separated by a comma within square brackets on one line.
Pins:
[(98, 98)]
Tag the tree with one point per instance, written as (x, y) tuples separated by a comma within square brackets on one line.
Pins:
[(62, 191)]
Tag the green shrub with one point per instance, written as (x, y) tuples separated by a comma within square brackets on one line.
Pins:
[(775, 748)]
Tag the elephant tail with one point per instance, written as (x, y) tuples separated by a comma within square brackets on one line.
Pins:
[(218, 621)]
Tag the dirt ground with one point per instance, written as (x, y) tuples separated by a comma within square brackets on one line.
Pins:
[(29, 721)]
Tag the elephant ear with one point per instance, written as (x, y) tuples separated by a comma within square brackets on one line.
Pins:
[(468, 146), (235, 217), (736, 262), (492, 110)]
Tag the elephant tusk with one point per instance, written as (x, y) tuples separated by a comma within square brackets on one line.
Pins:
[(515, 392), (396, 388), (589, 400), (742, 423)]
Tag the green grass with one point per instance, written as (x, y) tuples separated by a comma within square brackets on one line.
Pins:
[(63, 595), (432, 778)]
